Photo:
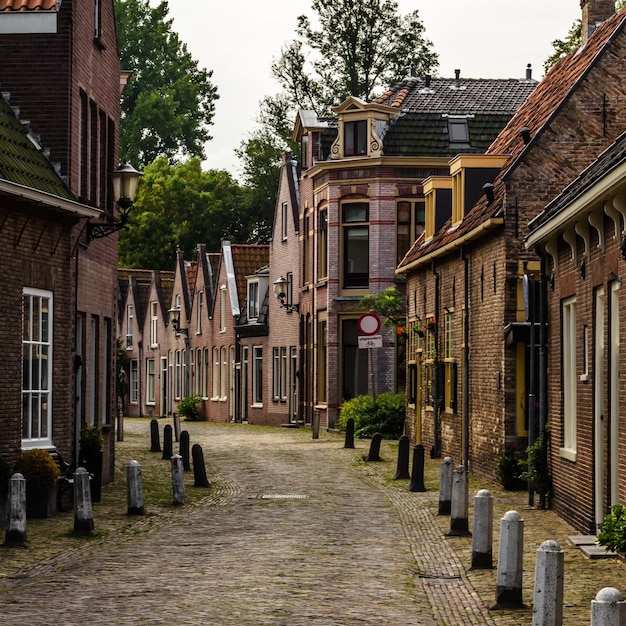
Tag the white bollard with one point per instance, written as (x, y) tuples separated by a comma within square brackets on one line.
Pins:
[(134, 489), (178, 480), (609, 608), (445, 487), (16, 524), (482, 538), (83, 513), (510, 561), (459, 521), (548, 595)]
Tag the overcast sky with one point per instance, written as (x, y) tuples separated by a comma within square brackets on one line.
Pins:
[(238, 39)]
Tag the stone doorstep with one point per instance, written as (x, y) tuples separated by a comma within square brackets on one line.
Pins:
[(587, 544)]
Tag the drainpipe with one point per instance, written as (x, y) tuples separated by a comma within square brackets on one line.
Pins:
[(543, 348), (466, 361), (436, 372)]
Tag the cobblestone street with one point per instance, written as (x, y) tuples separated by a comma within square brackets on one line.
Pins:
[(294, 531)]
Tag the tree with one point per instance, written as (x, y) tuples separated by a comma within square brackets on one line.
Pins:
[(179, 206), (168, 105), (388, 304)]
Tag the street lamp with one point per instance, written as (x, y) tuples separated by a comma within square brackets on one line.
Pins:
[(125, 181), (174, 314), (280, 289)]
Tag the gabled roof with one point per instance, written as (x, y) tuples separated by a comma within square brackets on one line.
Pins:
[(535, 114), (247, 259)]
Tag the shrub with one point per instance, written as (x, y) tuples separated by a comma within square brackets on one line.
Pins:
[(613, 532), (385, 416), (509, 471), (91, 440), (188, 408), (37, 467)]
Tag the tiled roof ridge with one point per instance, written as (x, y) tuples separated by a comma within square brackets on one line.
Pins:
[(28, 6)]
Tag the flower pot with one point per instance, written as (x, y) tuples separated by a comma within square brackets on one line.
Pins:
[(41, 501), (92, 462)]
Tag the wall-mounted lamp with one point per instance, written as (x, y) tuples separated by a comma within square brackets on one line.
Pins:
[(125, 182), (280, 288), (174, 314)]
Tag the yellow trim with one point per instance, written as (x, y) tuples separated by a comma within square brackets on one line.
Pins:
[(478, 161)]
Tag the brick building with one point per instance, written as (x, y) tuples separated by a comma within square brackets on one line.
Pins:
[(61, 69), (473, 287)]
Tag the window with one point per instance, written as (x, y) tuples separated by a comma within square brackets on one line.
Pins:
[(458, 130), (97, 32), (133, 393), (215, 389), (184, 374), (354, 362), (199, 310), (199, 377), (568, 346), (410, 221), (304, 151), (253, 300), (322, 361), (322, 245), (130, 316), (223, 372), (284, 220), (177, 374), (205, 373), (150, 382), (450, 368), (257, 375), (37, 367), (154, 324), (223, 309), (279, 374), (355, 138), (355, 225), (306, 251)]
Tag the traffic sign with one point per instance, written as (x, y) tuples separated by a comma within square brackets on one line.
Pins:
[(369, 324), (371, 341)]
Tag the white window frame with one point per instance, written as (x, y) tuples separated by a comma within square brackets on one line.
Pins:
[(133, 382), (569, 353), (150, 382), (223, 373), (254, 289), (42, 345), (257, 376), (223, 300), (199, 309), (130, 316), (215, 389), (154, 324)]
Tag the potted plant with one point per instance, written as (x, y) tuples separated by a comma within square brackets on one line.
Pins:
[(91, 444), (5, 475), (188, 408), (41, 473)]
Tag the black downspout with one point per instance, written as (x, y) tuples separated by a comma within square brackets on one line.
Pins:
[(436, 372), (466, 361), (543, 349)]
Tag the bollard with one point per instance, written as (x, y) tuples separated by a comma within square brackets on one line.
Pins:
[(374, 453), (548, 595), (402, 469), (134, 489), (184, 450), (417, 475), (167, 443), (510, 561), (199, 469), (482, 537), (349, 442), (155, 444), (178, 480), (15, 536), (459, 521), (445, 487), (176, 418), (609, 608), (315, 424), (83, 514)]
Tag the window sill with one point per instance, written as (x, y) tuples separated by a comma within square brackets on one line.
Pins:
[(568, 454), (256, 405)]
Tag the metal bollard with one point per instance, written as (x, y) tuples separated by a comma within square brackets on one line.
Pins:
[(417, 475), (168, 450), (482, 537), (15, 536), (402, 468), (548, 595), (609, 608), (199, 469), (184, 450), (510, 561), (178, 480), (349, 440), (445, 487), (134, 489), (374, 453), (459, 519), (155, 443), (83, 513)]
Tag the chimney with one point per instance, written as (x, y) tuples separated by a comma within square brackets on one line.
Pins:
[(457, 78), (594, 12)]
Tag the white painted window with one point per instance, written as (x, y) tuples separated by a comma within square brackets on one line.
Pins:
[(154, 324), (257, 375), (568, 342), (150, 382)]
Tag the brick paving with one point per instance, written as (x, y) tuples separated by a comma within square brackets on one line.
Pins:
[(294, 531)]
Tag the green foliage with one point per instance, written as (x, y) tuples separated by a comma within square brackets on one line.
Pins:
[(188, 408), (169, 102), (613, 531), (37, 467), (510, 470), (91, 440), (537, 467), (385, 416), (388, 304), (179, 206)]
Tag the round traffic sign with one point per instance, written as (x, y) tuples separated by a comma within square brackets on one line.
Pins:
[(369, 324)]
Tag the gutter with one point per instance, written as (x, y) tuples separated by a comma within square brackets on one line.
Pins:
[(486, 226)]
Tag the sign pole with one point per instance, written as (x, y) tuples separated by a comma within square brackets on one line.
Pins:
[(371, 360)]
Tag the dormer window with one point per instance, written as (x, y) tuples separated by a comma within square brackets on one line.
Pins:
[(253, 300), (355, 138), (458, 130), (304, 151)]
